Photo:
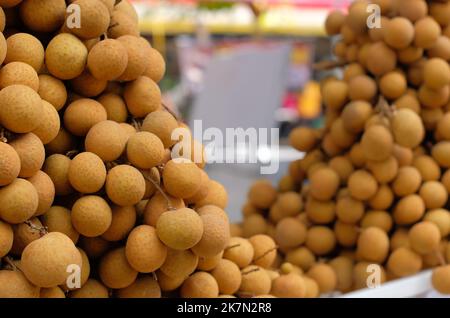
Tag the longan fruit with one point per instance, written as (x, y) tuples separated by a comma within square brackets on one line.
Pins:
[(361, 273), (157, 205), (145, 150), (144, 251), (262, 194), (403, 155), (399, 239), (45, 189), (6, 238), (66, 56), (428, 168), (144, 287), (320, 212), (335, 94), (436, 73), (43, 15), (357, 156), (410, 55), (346, 234), (255, 281), (128, 8), (203, 191), (290, 232), (393, 85), (343, 166), (162, 124), (58, 219), (312, 288), (179, 264), (399, 33), (21, 108), (87, 173), (303, 138), (377, 143), (14, 284), (24, 47), (358, 15), (157, 66), (136, 57), (380, 219), (426, 32), (289, 286), (373, 245), (168, 283), (341, 137), (424, 237), (383, 199), (301, 257), (355, 115), (19, 73), (125, 185), (325, 277), (121, 25), (216, 235), (384, 171), (362, 185), (9, 3), (106, 139), (182, 179), (433, 194), (324, 184), (142, 96), (407, 181), (94, 19), (381, 59), (31, 153), (265, 250), (412, 10), (409, 209), (24, 234), (91, 289), (94, 247), (209, 263), (334, 22), (9, 164), (50, 123), (433, 98), (62, 143), (91, 216), (441, 48), (87, 85), (123, 221), (434, 258), (54, 292), (107, 60), (18, 201), (180, 229), (228, 276), (52, 90), (57, 168), (115, 271), (352, 70), (404, 262), (81, 115), (200, 285), (320, 240), (349, 210), (441, 218), (343, 267), (240, 251), (440, 279), (363, 88)]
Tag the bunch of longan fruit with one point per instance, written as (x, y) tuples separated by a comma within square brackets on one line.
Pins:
[(88, 184), (373, 187)]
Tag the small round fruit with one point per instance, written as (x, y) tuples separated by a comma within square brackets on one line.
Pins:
[(18, 201), (255, 281), (179, 264), (24, 47), (125, 185), (43, 15), (399, 33), (6, 238), (145, 150), (57, 168), (424, 237), (87, 173), (9, 164), (441, 279), (377, 143), (265, 250), (136, 50), (436, 73), (91, 289), (381, 59), (182, 178), (303, 138), (289, 286), (107, 60), (320, 240), (426, 33), (162, 124), (409, 210), (14, 284), (325, 277), (324, 184), (50, 123), (52, 90), (19, 73), (157, 65), (217, 195), (373, 245), (362, 185), (91, 216), (81, 115), (115, 271), (144, 287), (106, 139), (262, 194), (200, 285), (94, 19), (58, 219), (404, 262), (228, 277), (240, 251), (290, 232), (142, 96), (123, 221)]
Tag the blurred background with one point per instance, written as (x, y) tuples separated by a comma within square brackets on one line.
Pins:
[(242, 64)]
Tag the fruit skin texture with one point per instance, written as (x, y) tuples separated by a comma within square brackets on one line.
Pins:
[(44, 261), (145, 287), (24, 47), (325, 277), (157, 65), (228, 276), (9, 164), (217, 195), (145, 150), (13, 284), (56, 167), (66, 56), (123, 221), (52, 90), (441, 279), (142, 96), (424, 237), (262, 194), (255, 281), (125, 185), (18, 201), (50, 125), (106, 139), (43, 15), (19, 73), (200, 285), (87, 173), (31, 153), (240, 251), (362, 185), (6, 238), (216, 235), (45, 190), (115, 271), (179, 264), (144, 251), (107, 60), (95, 19), (373, 245), (58, 219), (377, 143), (265, 250), (136, 57), (83, 114), (289, 286), (407, 128), (91, 289), (180, 229), (404, 262), (182, 179), (91, 216), (21, 108), (162, 124)]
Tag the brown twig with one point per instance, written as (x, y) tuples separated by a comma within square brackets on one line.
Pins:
[(170, 111), (8, 260), (42, 230), (160, 190), (136, 124), (265, 253), (250, 271), (232, 246)]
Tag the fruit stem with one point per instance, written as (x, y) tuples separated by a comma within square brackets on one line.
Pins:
[(72, 153), (232, 246), (170, 111), (250, 271), (8, 260), (135, 123), (384, 109), (157, 186), (265, 253), (41, 229)]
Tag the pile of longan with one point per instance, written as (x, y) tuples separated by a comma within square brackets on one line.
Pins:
[(86, 172), (373, 187)]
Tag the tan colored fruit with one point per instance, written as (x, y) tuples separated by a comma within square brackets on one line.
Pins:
[(121, 25), (13, 284), (384, 171), (254, 224), (24, 47), (168, 283), (335, 94), (343, 267), (31, 153), (123, 221), (162, 124), (6, 238), (203, 191), (182, 179), (426, 32), (303, 138), (24, 234), (142, 96), (200, 285), (107, 60), (290, 233), (262, 194), (54, 292), (346, 234), (94, 247), (115, 271), (301, 257), (144, 287), (45, 261), (106, 139), (81, 115), (19, 73), (433, 194), (63, 143), (440, 279), (355, 115), (349, 210), (399, 33), (380, 219), (324, 276), (334, 22), (362, 272), (380, 59), (393, 85), (145, 150), (289, 286), (58, 219), (43, 15), (94, 19), (179, 264), (157, 205), (136, 57), (216, 235), (87, 173), (52, 90), (383, 199), (87, 85), (18, 201), (407, 182), (400, 239), (180, 229), (377, 143), (265, 250), (157, 65), (144, 251), (373, 245), (50, 123), (66, 56), (312, 288), (428, 168), (240, 251), (436, 73), (433, 98), (320, 240), (217, 195), (45, 189), (409, 210), (362, 185), (320, 212), (57, 168), (324, 184), (21, 108), (255, 281), (441, 218), (440, 153), (9, 164), (91, 216), (228, 277), (209, 263), (91, 289), (115, 107), (125, 185), (424, 237), (84, 274), (404, 262), (441, 48)]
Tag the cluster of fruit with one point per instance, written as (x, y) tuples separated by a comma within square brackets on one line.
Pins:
[(374, 184)]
